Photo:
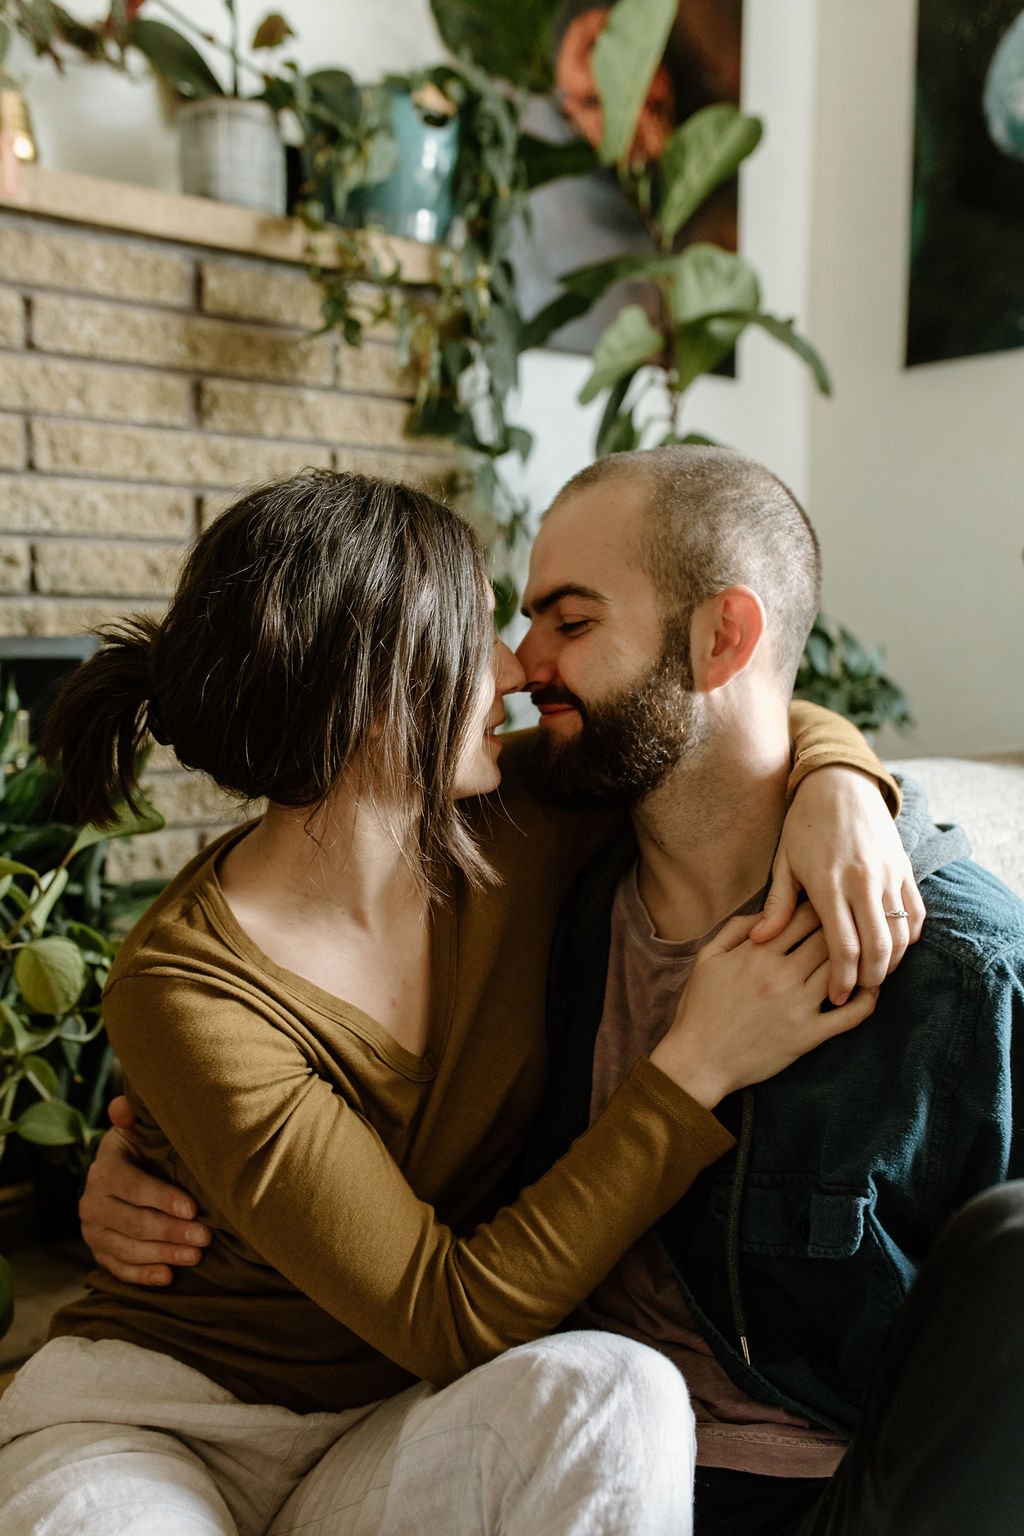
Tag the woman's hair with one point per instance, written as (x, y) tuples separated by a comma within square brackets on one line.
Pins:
[(321, 623)]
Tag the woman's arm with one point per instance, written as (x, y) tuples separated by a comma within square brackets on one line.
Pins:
[(287, 1163), (840, 844)]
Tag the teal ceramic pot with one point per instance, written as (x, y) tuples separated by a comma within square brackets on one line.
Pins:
[(418, 199)]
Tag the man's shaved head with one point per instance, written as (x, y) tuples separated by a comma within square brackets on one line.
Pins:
[(715, 519)]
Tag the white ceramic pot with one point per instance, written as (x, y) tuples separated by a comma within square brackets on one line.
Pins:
[(231, 150)]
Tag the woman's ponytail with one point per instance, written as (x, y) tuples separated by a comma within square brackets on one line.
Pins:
[(98, 722)]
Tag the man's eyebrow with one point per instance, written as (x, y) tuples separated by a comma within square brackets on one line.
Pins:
[(567, 589)]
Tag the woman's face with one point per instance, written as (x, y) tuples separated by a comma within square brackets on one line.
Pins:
[(478, 772)]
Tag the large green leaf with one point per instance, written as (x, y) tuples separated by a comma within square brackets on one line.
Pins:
[(51, 890), (616, 432), (565, 308), (42, 1076), (707, 280), (335, 98), (16, 1030), (129, 823), (508, 40), (543, 161), (700, 347), (174, 59), (52, 1124), (629, 342), (50, 974), (785, 332), (9, 867), (706, 150), (625, 59), (592, 281)]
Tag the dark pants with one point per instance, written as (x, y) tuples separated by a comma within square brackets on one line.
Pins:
[(940, 1447)]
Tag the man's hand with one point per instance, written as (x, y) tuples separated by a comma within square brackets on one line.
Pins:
[(840, 844), (135, 1225)]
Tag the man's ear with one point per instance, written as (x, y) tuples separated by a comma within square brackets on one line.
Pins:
[(726, 632)]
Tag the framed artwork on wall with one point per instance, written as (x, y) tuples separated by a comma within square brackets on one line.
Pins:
[(583, 219), (966, 292)]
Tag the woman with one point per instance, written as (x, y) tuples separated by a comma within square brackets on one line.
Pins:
[(330, 1025)]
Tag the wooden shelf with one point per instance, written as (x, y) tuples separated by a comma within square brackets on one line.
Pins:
[(115, 205)]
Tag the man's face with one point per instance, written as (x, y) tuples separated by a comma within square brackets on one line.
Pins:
[(615, 693)]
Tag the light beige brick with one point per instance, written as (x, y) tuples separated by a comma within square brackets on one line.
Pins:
[(156, 856), (161, 760), (372, 369), (66, 616), (191, 799), (12, 442), (119, 267), (36, 504), (432, 474), (175, 458), (310, 414), (12, 317), (210, 507), (121, 333), (79, 568), (31, 382), (15, 565), (250, 290)]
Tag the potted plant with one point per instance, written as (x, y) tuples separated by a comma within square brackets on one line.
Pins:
[(838, 672), (230, 144), (59, 925)]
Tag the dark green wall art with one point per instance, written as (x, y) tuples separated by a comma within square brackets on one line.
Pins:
[(967, 230)]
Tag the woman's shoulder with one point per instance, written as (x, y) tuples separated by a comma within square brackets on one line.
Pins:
[(180, 924)]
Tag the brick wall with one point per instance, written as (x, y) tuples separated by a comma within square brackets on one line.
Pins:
[(142, 383)]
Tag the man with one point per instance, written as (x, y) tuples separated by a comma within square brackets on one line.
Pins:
[(670, 596)]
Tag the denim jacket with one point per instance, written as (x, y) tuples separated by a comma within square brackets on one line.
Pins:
[(850, 1160)]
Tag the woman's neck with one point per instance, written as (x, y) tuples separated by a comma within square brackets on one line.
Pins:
[(334, 899), (344, 864)]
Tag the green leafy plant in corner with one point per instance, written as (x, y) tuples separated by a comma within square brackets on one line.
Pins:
[(838, 672), (59, 921)]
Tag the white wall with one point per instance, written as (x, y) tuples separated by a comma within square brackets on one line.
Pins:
[(94, 120), (916, 476), (912, 477)]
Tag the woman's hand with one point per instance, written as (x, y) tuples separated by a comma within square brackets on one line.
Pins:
[(750, 1010), (136, 1226), (840, 844)]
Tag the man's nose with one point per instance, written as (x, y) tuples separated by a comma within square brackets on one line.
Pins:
[(538, 668), (510, 675)]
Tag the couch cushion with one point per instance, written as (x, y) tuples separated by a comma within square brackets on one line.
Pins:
[(986, 797)]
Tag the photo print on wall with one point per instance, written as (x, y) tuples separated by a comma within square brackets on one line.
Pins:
[(967, 224), (587, 218)]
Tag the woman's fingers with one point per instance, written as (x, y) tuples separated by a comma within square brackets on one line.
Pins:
[(730, 935), (134, 1224), (836, 1021)]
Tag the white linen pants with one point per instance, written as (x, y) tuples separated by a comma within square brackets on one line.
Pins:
[(582, 1434)]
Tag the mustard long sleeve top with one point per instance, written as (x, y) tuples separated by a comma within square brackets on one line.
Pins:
[(354, 1189)]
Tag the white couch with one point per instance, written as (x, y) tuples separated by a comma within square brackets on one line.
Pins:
[(986, 797)]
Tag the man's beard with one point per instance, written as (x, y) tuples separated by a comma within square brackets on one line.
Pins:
[(627, 744)]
